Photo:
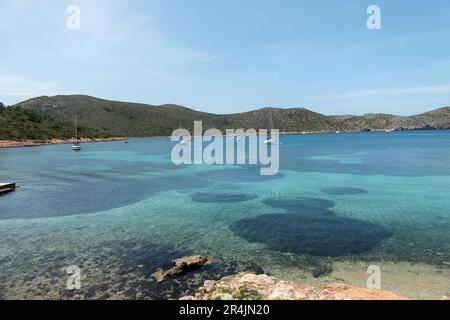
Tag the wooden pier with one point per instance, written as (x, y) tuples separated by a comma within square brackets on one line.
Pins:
[(7, 187)]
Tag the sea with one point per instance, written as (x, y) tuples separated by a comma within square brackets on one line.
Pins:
[(339, 205)]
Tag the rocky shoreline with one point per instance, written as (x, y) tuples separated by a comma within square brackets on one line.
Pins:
[(253, 286), (37, 143), (250, 286)]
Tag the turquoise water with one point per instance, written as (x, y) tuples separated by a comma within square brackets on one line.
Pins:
[(119, 211)]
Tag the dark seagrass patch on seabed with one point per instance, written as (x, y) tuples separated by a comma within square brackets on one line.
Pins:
[(97, 196), (310, 227)]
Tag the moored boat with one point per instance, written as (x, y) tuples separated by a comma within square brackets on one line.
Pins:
[(7, 187), (76, 146)]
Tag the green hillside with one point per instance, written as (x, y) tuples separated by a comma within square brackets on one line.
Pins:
[(132, 119), (439, 119), (114, 118), (286, 120), (436, 119), (118, 118), (20, 124)]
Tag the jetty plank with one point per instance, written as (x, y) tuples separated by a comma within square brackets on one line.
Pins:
[(7, 187)]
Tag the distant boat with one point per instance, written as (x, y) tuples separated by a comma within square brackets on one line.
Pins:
[(269, 140), (126, 141), (390, 130), (7, 187), (338, 132), (76, 146)]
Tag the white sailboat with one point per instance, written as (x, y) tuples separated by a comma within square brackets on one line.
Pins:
[(269, 140), (76, 146)]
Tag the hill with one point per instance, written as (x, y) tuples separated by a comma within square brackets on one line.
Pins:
[(132, 119), (115, 118), (118, 118), (286, 120), (436, 119)]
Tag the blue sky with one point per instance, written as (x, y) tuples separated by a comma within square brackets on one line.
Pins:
[(227, 56)]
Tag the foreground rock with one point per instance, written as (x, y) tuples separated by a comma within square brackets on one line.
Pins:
[(355, 293), (180, 266), (249, 286)]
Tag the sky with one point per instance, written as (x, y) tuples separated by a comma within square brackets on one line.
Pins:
[(226, 56)]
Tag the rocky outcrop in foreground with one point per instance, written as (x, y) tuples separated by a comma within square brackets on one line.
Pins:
[(249, 286), (180, 266)]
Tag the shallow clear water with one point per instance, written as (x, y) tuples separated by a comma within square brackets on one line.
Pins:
[(119, 211)]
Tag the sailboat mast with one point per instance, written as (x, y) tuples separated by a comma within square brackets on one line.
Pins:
[(270, 121), (76, 129), (269, 135), (76, 145)]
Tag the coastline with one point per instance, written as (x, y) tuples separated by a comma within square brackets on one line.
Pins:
[(37, 143), (4, 144)]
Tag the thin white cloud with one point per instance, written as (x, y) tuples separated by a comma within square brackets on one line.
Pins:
[(426, 90)]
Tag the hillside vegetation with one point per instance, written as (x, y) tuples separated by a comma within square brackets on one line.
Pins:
[(114, 118), (119, 118), (21, 124), (436, 119)]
